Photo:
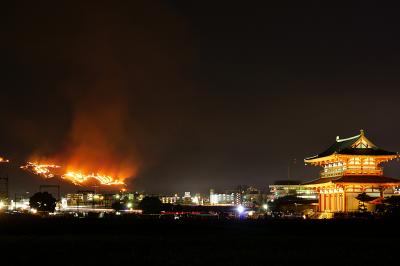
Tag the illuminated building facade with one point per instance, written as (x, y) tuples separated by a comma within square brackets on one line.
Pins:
[(351, 166), (170, 199), (92, 199), (186, 199), (233, 198), (84, 198), (286, 188)]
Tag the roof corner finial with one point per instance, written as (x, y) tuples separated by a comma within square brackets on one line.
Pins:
[(337, 138), (362, 132)]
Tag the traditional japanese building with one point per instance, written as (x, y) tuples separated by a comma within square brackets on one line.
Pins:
[(351, 166)]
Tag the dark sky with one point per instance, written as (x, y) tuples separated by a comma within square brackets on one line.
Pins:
[(195, 94)]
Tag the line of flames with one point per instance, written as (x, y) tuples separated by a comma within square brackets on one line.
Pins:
[(76, 177), (3, 160), (79, 178), (44, 170)]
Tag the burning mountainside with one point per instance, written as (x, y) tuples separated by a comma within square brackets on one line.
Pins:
[(98, 146), (97, 138), (79, 178), (3, 160), (76, 177), (44, 170)]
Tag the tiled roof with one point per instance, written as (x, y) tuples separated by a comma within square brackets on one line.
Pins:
[(346, 147)]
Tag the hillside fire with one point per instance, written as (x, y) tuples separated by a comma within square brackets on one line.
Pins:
[(3, 160), (79, 178), (76, 177), (44, 170)]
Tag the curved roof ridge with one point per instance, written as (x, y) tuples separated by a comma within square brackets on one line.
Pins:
[(351, 138), (347, 147)]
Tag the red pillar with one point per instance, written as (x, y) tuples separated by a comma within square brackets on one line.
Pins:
[(319, 201)]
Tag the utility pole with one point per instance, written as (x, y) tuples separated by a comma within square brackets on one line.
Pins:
[(93, 198), (4, 188)]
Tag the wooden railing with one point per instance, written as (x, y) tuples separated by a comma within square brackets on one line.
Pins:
[(341, 171)]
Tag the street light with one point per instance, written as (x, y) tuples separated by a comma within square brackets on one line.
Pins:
[(240, 209)]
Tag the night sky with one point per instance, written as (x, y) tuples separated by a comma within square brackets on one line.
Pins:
[(195, 94)]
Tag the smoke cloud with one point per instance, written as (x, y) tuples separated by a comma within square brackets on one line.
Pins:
[(105, 80)]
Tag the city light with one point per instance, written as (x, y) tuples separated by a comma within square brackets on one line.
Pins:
[(240, 209), (265, 206), (195, 200), (129, 205)]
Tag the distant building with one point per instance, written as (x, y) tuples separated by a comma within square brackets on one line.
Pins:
[(351, 166), (85, 198), (198, 199), (19, 204), (170, 199), (229, 198), (91, 199), (250, 196), (187, 199), (285, 188)]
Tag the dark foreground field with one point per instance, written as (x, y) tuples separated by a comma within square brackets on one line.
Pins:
[(27, 241)]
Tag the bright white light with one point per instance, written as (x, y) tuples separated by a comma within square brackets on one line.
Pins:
[(1, 205), (265, 206), (33, 211), (195, 200), (129, 205), (240, 209), (64, 203), (11, 206)]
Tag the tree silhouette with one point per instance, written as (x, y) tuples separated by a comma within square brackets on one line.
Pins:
[(150, 205), (43, 202), (393, 201), (363, 198), (392, 205)]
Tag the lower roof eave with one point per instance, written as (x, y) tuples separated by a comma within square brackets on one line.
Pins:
[(368, 184), (353, 180), (318, 182)]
